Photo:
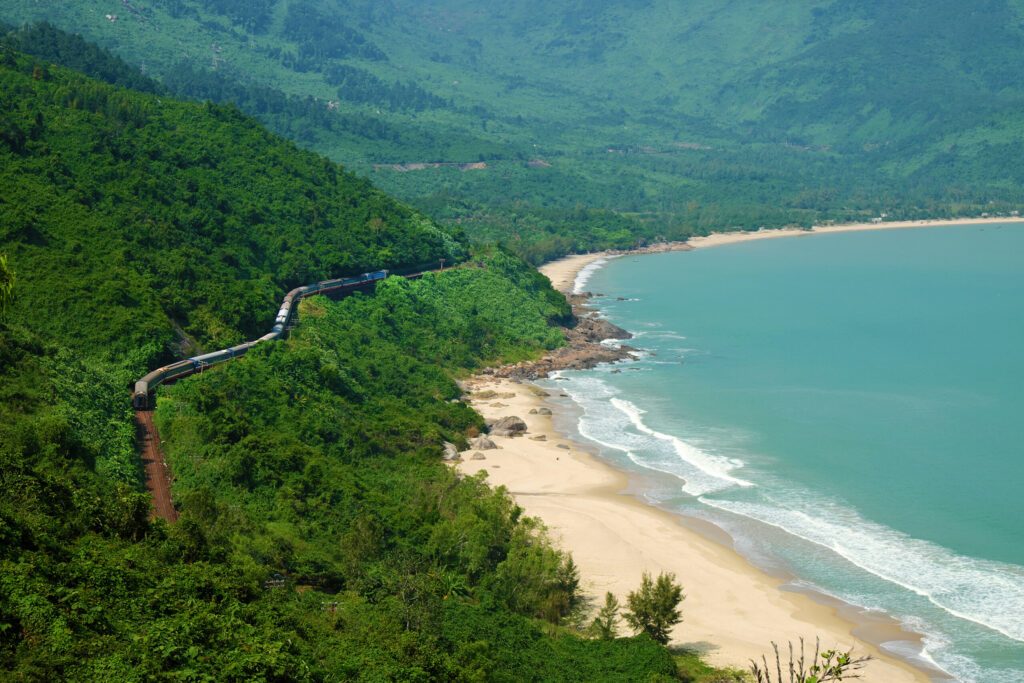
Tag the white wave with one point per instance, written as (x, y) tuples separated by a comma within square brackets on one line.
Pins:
[(985, 592), (716, 466), (617, 424), (587, 272)]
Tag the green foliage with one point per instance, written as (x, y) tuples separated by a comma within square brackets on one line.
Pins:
[(321, 536), (692, 668), (6, 285), (606, 624), (45, 41), (174, 222), (828, 665), (653, 608)]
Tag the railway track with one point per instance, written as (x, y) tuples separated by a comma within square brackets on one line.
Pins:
[(158, 476)]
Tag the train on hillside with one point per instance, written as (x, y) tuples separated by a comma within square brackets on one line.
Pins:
[(189, 366)]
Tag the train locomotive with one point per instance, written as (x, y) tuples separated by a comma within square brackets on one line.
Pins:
[(189, 366)]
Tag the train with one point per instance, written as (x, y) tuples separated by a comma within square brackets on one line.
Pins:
[(189, 366)]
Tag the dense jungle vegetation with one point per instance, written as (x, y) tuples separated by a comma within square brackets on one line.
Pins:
[(657, 118), (321, 537)]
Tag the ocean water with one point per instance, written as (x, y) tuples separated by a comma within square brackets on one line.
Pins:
[(849, 407)]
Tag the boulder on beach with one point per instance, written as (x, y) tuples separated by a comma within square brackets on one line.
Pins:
[(508, 426), (478, 456), (451, 451), (482, 443), (543, 411), (539, 437), (562, 445), (533, 411), (488, 394)]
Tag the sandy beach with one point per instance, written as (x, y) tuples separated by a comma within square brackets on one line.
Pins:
[(733, 610), (562, 272)]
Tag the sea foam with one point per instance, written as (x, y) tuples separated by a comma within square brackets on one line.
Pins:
[(618, 424), (985, 592), (586, 272)]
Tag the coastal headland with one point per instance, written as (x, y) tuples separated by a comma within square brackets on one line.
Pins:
[(733, 611)]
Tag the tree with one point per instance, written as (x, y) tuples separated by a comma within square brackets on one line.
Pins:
[(830, 665), (653, 608), (6, 284), (606, 622)]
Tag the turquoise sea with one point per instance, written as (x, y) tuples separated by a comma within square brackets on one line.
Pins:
[(849, 407)]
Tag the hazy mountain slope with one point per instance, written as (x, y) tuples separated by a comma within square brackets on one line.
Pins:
[(677, 117)]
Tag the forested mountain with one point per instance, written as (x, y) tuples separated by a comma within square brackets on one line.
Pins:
[(654, 117), (190, 215), (321, 537)]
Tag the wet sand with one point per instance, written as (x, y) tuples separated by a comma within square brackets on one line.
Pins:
[(732, 611)]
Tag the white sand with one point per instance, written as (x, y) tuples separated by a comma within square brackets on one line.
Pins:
[(732, 610), (721, 238)]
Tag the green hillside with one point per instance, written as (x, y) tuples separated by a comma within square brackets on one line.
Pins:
[(321, 537), (130, 215), (658, 117)]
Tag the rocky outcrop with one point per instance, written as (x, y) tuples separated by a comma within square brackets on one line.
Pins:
[(507, 426), (451, 452), (593, 329), (489, 394), (583, 348), (482, 443)]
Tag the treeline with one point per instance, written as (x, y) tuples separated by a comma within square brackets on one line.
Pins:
[(322, 36), (360, 86), (47, 42)]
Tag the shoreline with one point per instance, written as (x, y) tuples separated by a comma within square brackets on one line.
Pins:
[(562, 272), (733, 610)]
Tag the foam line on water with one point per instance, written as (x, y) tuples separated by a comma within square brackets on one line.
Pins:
[(587, 272), (618, 424), (985, 592), (713, 465)]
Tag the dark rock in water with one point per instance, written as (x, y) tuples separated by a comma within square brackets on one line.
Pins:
[(508, 426), (482, 443), (597, 330), (616, 371), (620, 298)]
